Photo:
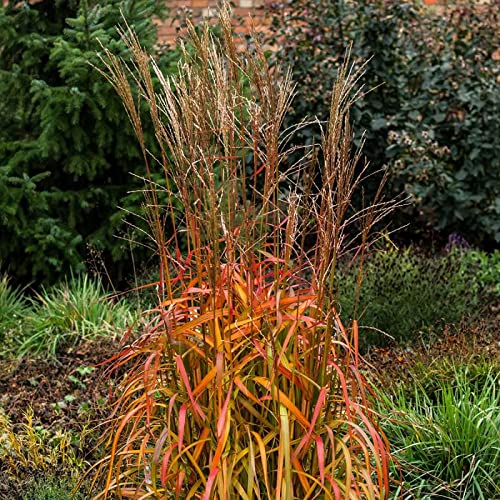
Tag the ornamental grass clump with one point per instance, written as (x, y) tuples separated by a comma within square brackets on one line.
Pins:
[(246, 384), (447, 440), (13, 309), (66, 315)]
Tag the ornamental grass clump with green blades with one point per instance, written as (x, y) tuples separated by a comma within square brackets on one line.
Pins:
[(246, 383), (63, 316), (447, 441), (13, 309)]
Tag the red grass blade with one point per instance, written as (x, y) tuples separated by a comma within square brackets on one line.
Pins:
[(210, 482), (187, 385)]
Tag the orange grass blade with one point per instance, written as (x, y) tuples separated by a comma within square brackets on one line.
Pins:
[(263, 458), (335, 486), (222, 429), (355, 333), (286, 402), (251, 471), (165, 463), (285, 446), (380, 453), (201, 443), (320, 450), (114, 446), (205, 382), (180, 480), (182, 425)]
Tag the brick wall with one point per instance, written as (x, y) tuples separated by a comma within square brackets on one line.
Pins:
[(248, 11)]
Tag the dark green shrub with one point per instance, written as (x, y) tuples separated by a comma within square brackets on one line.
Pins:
[(404, 292), (444, 146), (432, 118), (66, 146)]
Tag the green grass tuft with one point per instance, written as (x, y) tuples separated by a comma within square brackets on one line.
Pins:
[(448, 442), (13, 309), (70, 313), (51, 488)]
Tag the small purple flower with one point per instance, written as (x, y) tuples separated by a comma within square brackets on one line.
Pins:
[(456, 240)]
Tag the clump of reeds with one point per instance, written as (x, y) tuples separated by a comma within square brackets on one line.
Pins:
[(246, 384)]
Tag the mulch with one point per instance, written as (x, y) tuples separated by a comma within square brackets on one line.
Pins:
[(56, 389), (466, 343), (71, 393)]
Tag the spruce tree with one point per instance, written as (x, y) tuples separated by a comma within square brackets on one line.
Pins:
[(66, 146)]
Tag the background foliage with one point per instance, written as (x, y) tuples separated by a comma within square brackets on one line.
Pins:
[(432, 118), (66, 147)]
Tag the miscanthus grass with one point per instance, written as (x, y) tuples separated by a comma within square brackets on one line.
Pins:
[(246, 383)]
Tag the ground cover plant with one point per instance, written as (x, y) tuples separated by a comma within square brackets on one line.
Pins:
[(52, 489), (406, 294), (246, 383), (28, 450), (440, 397), (61, 317), (51, 409)]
